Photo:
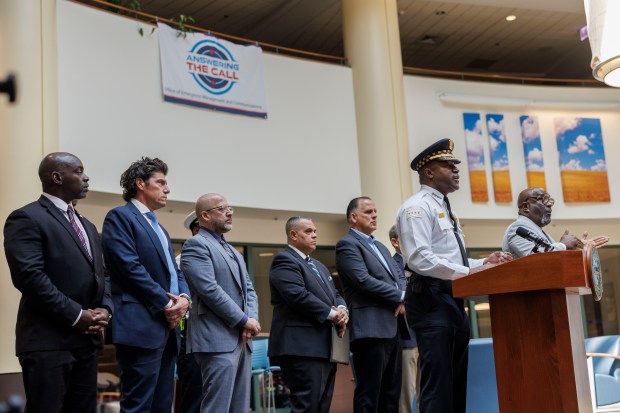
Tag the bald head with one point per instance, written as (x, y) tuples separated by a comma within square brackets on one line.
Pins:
[(535, 203), (62, 175), (214, 213)]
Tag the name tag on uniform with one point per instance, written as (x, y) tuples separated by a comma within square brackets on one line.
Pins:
[(442, 215), (414, 213)]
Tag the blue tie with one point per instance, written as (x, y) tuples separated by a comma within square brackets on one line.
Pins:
[(315, 269), (371, 242), (174, 280)]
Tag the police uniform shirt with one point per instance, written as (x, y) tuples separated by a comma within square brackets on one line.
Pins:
[(427, 239)]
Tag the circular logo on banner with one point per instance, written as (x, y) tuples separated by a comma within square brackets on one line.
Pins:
[(213, 67)]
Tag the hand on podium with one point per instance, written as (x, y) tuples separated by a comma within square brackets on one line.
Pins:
[(496, 258)]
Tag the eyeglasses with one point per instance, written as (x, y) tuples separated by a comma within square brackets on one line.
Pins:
[(544, 199), (222, 208)]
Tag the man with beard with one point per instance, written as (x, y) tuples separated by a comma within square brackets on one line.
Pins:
[(224, 316), (534, 213)]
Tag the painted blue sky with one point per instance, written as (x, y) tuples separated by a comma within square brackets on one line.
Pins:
[(532, 148), (497, 142), (580, 144), (473, 141)]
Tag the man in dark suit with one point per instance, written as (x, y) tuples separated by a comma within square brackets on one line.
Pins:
[(54, 256), (149, 292), (374, 290), (224, 318), (306, 305)]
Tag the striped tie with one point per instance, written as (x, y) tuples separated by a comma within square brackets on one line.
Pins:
[(315, 269), (78, 231)]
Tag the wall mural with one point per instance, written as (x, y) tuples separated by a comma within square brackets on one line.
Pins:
[(583, 168), (475, 157), (499, 158), (532, 151)]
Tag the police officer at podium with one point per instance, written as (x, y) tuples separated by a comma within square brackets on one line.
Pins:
[(432, 243)]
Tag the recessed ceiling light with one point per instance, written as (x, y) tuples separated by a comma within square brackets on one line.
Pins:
[(511, 18), (440, 12)]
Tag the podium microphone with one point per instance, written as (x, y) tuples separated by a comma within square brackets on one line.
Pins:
[(530, 236)]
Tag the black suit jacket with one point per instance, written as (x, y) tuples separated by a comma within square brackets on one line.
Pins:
[(301, 304), (372, 291), (52, 270)]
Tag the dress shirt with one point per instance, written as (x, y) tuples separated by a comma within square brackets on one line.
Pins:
[(520, 247), (427, 238), (332, 312)]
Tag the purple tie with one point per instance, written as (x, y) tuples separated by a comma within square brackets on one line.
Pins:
[(77, 230)]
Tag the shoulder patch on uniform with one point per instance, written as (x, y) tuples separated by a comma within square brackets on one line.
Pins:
[(413, 212)]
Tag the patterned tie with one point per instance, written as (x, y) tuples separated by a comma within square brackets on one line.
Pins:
[(227, 248), (174, 280), (314, 268), (78, 231), (456, 234)]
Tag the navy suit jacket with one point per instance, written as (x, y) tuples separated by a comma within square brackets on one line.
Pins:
[(140, 278), (398, 258), (301, 304), (52, 270), (371, 291)]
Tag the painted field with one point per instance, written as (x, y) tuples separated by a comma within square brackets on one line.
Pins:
[(479, 191), (585, 186), (536, 180), (501, 186)]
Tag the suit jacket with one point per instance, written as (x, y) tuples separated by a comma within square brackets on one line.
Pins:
[(52, 270), (223, 295), (140, 278), (371, 291), (411, 343), (301, 304), (520, 247)]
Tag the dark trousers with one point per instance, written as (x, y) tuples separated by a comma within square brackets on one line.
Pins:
[(311, 381), (60, 381), (443, 367), (147, 377), (191, 381), (378, 370)]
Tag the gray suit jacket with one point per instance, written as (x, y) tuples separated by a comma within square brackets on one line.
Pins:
[(371, 291), (520, 247), (222, 295)]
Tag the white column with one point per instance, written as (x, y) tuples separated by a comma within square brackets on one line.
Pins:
[(28, 129), (372, 49)]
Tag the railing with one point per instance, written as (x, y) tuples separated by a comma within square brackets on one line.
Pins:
[(152, 20)]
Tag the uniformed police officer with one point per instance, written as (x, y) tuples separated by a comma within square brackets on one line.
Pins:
[(431, 241)]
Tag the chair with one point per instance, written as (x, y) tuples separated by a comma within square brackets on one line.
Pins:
[(481, 383), (603, 359), (263, 389)]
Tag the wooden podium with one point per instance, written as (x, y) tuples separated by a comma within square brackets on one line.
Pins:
[(538, 341)]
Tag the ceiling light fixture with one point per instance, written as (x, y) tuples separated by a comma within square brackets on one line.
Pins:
[(511, 18), (604, 35)]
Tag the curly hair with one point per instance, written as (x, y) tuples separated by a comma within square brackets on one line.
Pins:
[(141, 169)]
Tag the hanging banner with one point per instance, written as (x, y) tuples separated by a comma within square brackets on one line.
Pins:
[(475, 157), (499, 158), (208, 72), (583, 167), (532, 150)]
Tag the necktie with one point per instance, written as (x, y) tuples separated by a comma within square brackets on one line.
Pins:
[(174, 280), (227, 248), (373, 246), (456, 234), (78, 231), (314, 268)]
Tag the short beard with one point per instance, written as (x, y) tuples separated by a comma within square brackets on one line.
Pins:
[(546, 219)]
